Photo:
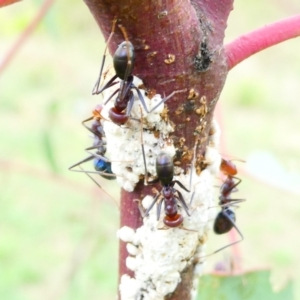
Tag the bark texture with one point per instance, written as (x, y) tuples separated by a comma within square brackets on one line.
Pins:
[(178, 45)]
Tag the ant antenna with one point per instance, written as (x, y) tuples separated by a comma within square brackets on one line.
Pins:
[(99, 186), (97, 84)]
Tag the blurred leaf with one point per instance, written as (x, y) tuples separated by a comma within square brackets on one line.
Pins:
[(51, 111), (48, 148), (251, 286)]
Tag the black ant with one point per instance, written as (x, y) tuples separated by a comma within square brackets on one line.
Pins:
[(123, 61), (101, 164), (168, 194), (225, 219)]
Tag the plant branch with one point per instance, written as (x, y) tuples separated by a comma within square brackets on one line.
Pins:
[(260, 39), (178, 46), (25, 34), (7, 2)]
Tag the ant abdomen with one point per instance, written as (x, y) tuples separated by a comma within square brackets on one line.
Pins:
[(174, 221), (123, 54), (224, 221), (119, 118)]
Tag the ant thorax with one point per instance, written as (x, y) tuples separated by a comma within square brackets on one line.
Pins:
[(158, 254), (125, 143)]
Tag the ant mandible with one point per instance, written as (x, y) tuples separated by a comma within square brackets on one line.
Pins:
[(168, 194), (123, 61)]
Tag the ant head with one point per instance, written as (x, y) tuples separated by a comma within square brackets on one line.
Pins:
[(97, 112), (224, 221), (228, 167)]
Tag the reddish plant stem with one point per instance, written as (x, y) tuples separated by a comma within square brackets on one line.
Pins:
[(260, 39), (159, 30), (7, 2), (25, 34)]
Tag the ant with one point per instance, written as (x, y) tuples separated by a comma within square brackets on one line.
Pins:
[(123, 61), (168, 194), (225, 219), (101, 164)]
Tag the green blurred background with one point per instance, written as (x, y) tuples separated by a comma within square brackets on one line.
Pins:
[(58, 230)]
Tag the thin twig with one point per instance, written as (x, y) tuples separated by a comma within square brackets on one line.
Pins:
[(25, 34), (7, 2), (260, 39)]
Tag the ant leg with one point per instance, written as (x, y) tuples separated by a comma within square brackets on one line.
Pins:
[(102, 173), (130, 105), (152, 204), (100, 186), (143, 150), (231, 202), (109, 84), (166, 98), (181, 199), (234, 186), (145, 213), (98, 146), (238, 181), (158, 208), (97, 155), (97, 133), (116, 91), (192, 197), (229, 245), (125, 86), (141, 98), (80, 162), (96, 87), (181, 185), (156, 180)]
